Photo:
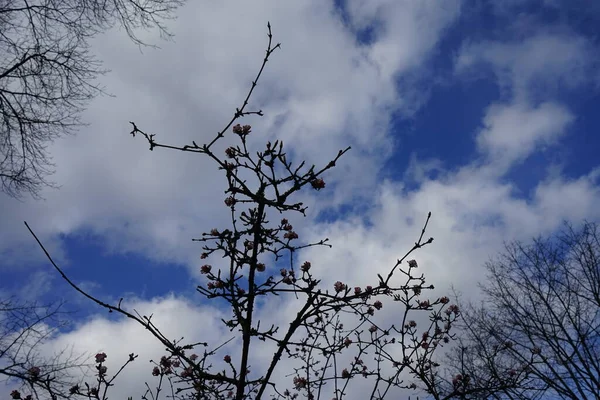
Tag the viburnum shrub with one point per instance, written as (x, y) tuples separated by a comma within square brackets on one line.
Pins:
[(333, 342)]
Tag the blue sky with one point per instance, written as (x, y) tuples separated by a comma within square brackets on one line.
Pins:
[(483, 112)]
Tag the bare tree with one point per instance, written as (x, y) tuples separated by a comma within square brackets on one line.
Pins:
[(48, 74), (334, 342), (24, 328), (537, 331)]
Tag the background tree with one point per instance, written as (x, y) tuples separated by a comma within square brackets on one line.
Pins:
[(47, 74), (24, 327), (536, 333), (334, 343)]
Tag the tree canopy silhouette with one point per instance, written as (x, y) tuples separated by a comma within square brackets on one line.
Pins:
[(48, 74), (536, 333)]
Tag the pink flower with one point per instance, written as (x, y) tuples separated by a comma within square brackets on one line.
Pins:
[(34, 371), (227, 358), (300, 382), (339, 287), (318, 184), (193, 357), (305, 267), (412, 264), (357, 290), (100, 357), (230, 151), (214, 232), (205, 269), (155, 371), (373, 329), (260, 267), (457, 379), (290, 235), (230, 201), (345, 374), (241, 130), (347, 342), (452, 309), (165, 362), (378, 305), (444, 300)]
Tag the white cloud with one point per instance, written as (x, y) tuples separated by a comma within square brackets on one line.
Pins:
[(175, 317), (537, 63), (321, 92), (511, 132)]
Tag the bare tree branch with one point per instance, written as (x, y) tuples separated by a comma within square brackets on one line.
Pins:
[(48, 75), (537, 331)]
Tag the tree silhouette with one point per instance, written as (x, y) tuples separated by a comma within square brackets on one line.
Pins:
[(334, 343), (24, 327), (47, 75), (536, 333)]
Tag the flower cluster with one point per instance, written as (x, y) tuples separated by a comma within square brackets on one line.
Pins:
[(230, 201), (300, 382), (205, 269), (318, 184), (230, 152), (339, 286), (16, 395), (34, 372), (241, 130), (452, 309), (460, 381), (100, 357)]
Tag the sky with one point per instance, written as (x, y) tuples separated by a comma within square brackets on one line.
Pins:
[(482, 112)]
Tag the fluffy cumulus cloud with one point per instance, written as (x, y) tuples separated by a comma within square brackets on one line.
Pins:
[(345, 74), (545, 59), (324, 90), (512, 132)]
